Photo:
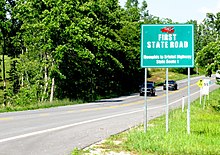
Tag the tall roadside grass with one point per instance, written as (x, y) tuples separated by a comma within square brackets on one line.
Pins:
[(40, 105), (204, 138)]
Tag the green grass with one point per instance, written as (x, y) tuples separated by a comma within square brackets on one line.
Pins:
[(159, 76), (204, 138), (39, 105)]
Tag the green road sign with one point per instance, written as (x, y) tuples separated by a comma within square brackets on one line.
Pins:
[(167, 46)]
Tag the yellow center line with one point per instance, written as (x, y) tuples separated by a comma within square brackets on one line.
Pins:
[(110, 107), (115, 106), (133, 103), (6, 118), (45, 114), (70, 111), (94, 109)]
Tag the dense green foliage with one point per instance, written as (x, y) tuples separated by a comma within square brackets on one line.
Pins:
[(71, 49), (208, 56), (81, 49)]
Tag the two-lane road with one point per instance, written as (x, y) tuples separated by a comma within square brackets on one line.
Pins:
[(56, 131)]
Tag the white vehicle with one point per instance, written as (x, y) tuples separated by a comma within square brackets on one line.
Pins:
[(217, 75)]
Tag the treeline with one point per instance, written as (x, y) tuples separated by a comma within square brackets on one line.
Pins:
[(80, 49)]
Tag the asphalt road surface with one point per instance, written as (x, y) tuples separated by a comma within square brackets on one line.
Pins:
[(57, 131)]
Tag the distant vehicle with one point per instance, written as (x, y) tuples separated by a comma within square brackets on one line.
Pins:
[(168, 29), (172, 85), (150, 89), (217, 75)]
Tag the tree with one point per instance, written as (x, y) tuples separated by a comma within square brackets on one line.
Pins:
[(209, 57), (208, 32), (78, 49), (4, 34)]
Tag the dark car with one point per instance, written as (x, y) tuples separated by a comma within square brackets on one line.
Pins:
[(172, 85), (150, 89)]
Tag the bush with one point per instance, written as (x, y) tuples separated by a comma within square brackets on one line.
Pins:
[(183, 70), (25, 96), (216, 105)]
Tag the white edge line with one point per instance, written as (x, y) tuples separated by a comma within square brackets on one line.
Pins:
[(63, 127), (80, 123)]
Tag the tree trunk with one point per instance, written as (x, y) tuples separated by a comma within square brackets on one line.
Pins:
[(46, 83), (22, 80), (52, 90), (3, 73), (22, 77)]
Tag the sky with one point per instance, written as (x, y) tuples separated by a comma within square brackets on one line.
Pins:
[(181, 10)]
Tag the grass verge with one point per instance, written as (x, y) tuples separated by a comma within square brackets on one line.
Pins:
[(204, 138), (39, 105), (159, 76)]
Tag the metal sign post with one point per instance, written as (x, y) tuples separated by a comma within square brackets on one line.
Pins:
[(167, 102), (183, 103), (200, 96), (145, 101), (200, 83), (204, 102), (188, 110)]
